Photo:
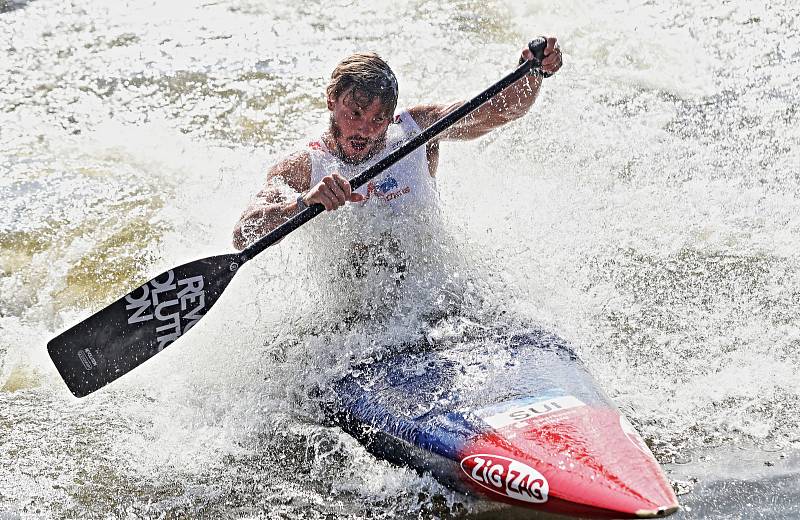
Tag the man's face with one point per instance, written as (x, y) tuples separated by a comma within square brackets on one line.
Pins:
[(358, 128)]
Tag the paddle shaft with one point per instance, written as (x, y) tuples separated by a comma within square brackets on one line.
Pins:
[(536, 46)]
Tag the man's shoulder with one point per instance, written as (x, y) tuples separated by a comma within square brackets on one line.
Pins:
[(426, 115), (294, 168), (299, 159), (420, 114)]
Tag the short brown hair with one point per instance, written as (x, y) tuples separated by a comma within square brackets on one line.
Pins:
[(367, 76)]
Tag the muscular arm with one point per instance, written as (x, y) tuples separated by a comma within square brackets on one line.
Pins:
[(509, 105), (273, 204)]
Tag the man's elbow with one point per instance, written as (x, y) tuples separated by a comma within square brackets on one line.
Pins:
[(499, 120), (512, 114)]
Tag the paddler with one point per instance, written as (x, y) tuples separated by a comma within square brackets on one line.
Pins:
[(364, 127)]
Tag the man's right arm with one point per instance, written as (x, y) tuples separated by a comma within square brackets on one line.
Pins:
[(276, 202)]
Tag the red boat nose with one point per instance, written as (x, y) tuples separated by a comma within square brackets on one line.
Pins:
[(569, 458)]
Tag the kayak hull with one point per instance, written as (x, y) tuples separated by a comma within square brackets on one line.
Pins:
[(514, 418)]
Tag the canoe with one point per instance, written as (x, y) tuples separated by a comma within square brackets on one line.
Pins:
[(507, 417)]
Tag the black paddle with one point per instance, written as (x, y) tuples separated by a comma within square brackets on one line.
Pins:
[(117, 339)]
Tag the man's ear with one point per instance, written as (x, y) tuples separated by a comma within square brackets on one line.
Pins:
[(331, 102)]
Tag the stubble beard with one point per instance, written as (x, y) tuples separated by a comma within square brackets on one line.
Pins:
[(336, 132)]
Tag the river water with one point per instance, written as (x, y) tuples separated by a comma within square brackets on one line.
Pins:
[(646, 209)]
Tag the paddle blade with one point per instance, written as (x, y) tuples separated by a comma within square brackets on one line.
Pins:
[(139, 325)]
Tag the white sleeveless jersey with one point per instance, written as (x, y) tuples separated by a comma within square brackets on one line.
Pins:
[(405, 186)]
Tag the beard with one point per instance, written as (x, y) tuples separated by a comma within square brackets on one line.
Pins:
[(374, 145)]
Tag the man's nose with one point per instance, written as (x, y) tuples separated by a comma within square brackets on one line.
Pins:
[(371, 127)]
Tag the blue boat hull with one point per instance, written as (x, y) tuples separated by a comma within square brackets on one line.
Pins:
[(514, 418)]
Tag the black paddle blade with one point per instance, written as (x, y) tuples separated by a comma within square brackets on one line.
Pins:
[(139, 325)]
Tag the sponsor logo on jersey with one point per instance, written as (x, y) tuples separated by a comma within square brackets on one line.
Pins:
[(383, 189), (387, 184), (175, 305), (507, 477), (520, 415)]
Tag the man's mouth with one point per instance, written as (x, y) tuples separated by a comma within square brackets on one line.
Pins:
[(358, 144)]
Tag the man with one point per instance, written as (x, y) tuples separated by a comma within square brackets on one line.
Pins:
[(361, 98)]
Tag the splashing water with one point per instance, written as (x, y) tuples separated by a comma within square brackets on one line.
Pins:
[(646, 210)]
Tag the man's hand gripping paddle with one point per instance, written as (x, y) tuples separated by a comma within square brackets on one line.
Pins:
[(117, 339)]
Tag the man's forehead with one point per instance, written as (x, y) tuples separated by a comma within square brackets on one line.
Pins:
[(364, 100)]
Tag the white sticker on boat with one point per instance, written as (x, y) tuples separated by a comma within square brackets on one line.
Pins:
[(524, 413), (507, 477)]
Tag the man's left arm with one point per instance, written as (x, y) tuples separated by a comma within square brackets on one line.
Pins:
[(510, 104)]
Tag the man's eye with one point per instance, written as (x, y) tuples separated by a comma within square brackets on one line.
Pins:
[(379, 120), (355, 113)]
